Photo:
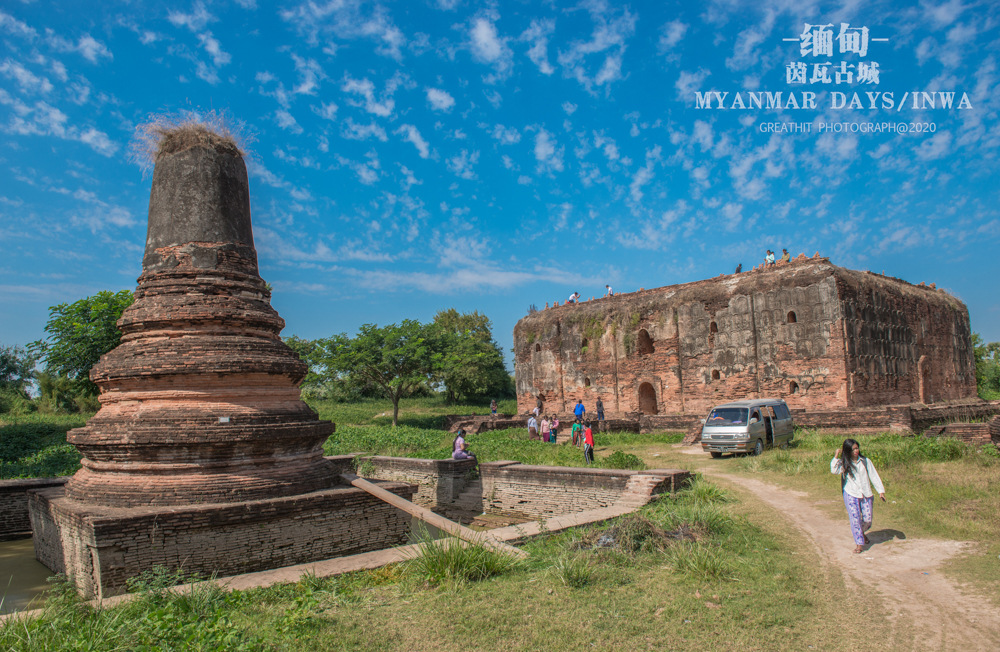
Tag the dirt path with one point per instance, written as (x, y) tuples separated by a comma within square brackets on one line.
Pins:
[(905, 571)]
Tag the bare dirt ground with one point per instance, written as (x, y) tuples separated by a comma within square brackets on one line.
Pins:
[(925, 607)]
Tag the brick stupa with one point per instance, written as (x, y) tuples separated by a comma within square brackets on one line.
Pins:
[(203, 456)]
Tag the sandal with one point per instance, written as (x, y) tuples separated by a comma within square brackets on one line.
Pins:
[(866, 539)]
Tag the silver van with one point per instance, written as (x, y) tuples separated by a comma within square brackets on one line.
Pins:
[(747, 427)]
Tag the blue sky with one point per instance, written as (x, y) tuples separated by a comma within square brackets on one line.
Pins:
[(415, 156)]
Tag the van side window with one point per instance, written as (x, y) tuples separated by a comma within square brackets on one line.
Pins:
[(782, 411)]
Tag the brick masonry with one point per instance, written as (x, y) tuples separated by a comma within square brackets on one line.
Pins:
[(440, 482), (539, 491), (14, 521), (99, 547), (820, 336)]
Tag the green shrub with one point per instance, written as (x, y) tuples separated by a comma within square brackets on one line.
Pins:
[(573, 571), (451, 559), (621, 460)]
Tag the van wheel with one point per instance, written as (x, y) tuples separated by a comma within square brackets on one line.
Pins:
[(758, 448), (716, 454)]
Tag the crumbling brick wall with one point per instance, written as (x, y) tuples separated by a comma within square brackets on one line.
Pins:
[(14, 521), (820, 336)]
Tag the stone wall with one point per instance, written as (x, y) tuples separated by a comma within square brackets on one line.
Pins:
[(532, 491), (440, 482), (99, 548), (820, 336), (14, 521)]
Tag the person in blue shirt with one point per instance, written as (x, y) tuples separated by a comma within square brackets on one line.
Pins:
[(579, 410)]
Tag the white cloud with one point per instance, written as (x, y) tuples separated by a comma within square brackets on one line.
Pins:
[(548, 156), (607, 145), (43, 119), (214, 49), (506, 136), (525, 180), (366, 89), (568, 107), (733, 213), (347, 19), (310, 73), (462, 163), (670, 35), (195, 21), (487, 47), (354, 131), (934, 147), (509, 163), (96, 214), (610, 32), (13, 26), (644, 174), (689, 82), (287, 121), (86, 45), (412, 134), (27, 80), (538, 35), (440, 100), (493, 97), (326, 111), (367, 171)]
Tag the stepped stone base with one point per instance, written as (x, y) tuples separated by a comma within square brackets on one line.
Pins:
[(99, 548)]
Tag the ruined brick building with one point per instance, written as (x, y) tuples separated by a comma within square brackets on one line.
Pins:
[(820, 336)]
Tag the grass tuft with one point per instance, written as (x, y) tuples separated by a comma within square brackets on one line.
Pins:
[(459, 561)]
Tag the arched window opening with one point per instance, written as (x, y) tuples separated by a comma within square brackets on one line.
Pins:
[(645, 343), (791, 317), (586, 382), (713, 328), (793, 387), (583, 344), (538, 348), (715, 374), (647, 399)]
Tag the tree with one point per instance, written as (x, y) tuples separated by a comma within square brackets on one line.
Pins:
[(987, 358), (471, 363), (395, 358), (17, 367), (79, 333)]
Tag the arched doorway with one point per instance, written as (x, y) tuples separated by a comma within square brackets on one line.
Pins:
[(644, 342), (647, 399)]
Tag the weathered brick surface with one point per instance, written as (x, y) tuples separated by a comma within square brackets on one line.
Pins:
[(537, 491), (820, 336), (200, 401), (14, 521), (440, 482), (99, 548)]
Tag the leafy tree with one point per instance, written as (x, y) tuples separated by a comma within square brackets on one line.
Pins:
[(471, 362), (397, 359), (16, 368), (79, 333), (987, 358)]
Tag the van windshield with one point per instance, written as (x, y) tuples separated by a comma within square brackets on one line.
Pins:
[(727, 417)]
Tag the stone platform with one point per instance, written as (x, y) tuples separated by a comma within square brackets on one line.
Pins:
[(99, 547)]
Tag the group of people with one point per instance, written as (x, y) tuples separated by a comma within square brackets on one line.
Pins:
[(575, 297), (769, 260)]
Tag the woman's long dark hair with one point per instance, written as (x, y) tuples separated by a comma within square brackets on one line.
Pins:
[(461, 433), (847, 457)]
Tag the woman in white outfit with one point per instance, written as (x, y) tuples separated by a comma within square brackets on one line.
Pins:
[(857, 475)]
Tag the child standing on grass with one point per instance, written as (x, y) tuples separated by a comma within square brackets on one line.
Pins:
[(588, 445), (554, 432), (857, 474), (577, 432)]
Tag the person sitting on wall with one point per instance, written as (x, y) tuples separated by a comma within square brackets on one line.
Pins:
[(739, 269), (610, 292), (459, 449), (579, 410), (573, 298), (532, 428), (785, 256), (600, 410), (769, 259)]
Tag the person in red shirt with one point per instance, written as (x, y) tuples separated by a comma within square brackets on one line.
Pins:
[(588, 445)]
